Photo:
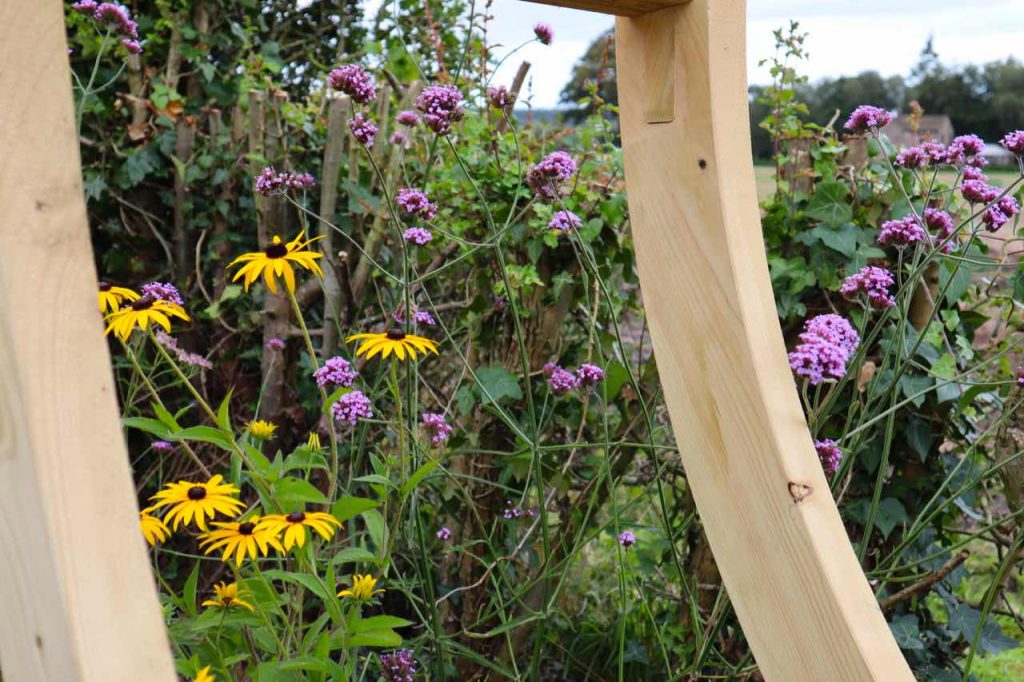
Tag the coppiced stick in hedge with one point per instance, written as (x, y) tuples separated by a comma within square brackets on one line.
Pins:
[(184, 140), (337, 112)]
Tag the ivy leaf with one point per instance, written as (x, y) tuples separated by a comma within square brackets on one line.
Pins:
[(906, 633), (830, 204), (890, 514), (494, 384)]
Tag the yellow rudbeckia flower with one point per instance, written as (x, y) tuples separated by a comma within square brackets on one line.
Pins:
[(153, 528), (205, 675), (261, 429), (200, 501), (240, 538), (362, 588), (111, 297), (227, 595), (276, 261), (294, 526), (394, 341), (142, 313)]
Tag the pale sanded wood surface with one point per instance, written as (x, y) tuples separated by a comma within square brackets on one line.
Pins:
[(77, 599), (625, 8), (776, 534)]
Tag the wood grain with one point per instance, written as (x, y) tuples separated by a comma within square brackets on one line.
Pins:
[(624, 8), (77, 598), (784, 555)]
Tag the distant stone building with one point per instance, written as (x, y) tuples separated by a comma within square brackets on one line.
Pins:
[(931, 127), (997, 155)]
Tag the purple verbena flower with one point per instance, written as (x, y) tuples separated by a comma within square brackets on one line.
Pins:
[(834, 329), (514, 512), (547, 176), (627, 538), (565, 221), (408, 118), (133, 46), (85, 6), (1008, 205), (967, 145), (269, 181), (441, 105), (993, 218), (866, 117), (274, 344), (184, 357), (499, 97), (352, 407), (415, 202), (1013, 142), (363, 129), (942, 224), (589, 375), (912, 157), (561, 381), (445, 534), (829, 454), (335, 371), (417, 235), (162, 446), (437, 426), (937, 152), (116, 18), (398, 137), (423, 317), (973, 173), (978, 191), (1019, 377), (902, 233), (354, 82), (163, 292), (398, 666), (873, 282), (817, 360), (545, 34)]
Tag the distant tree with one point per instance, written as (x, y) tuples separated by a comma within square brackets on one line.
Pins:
[(595, 68), (845, 93)]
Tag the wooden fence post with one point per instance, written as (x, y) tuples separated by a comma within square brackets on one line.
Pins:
[(776, 534), (77, 598)]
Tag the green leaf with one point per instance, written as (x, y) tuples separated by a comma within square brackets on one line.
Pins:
[(906, 633), (303, 579), (842, 239), (206, 434), (223, 415), (354, 555), (295, 490), (495, 383), (418, 476), (376, 638), (379, 623), (148, 425), (615, 377), (165, 417), (347, 507), (376, 527), (830, 204), (188, 595), (890, 514), (376, 479)]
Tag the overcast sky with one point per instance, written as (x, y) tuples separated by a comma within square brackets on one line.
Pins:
[(846, 36)]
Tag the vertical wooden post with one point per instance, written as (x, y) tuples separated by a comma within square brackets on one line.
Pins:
[(77, 599), (784, 555)]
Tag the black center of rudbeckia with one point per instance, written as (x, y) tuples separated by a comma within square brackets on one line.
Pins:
[(276, 251), (196, 493), (105, 286), (296, 517), (395, 334), (246, 528), (143, 303)]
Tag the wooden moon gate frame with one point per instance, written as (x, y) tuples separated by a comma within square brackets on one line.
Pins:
[(77, 599)]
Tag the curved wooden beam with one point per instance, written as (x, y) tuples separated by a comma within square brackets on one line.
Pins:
[(784, 555), (77, 598)]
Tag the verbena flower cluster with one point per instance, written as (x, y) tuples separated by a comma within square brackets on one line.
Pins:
[(547, 177), (866, 117), (829, 454), (441, 105), (902, 233), (354, 82), (499, 97), (871, 282), (336, 371), (437, 426), (184, 356), (363, 129), (419, 236), (408, 118), (627, 538), (162, 291), (545, 34), (352, 407), (565, 221), (398, 666), (1014, 142), (826, 345), (415, 203), (512, 511), (114, 18), (562, 381), (270, 182)]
